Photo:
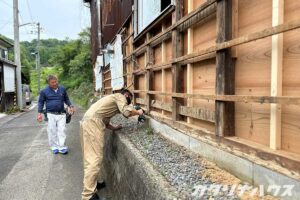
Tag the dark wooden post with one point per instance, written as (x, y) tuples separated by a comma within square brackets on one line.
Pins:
[(133, 63), (149, 73), (177, 75), (225, 72)]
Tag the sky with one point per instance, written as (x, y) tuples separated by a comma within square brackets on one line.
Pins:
[(58, 18)]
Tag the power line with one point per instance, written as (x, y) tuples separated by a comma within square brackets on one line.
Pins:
[(4, 2), (21, 19), (29, 10)]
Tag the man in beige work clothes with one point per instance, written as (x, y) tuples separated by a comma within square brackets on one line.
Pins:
[(92, 126)]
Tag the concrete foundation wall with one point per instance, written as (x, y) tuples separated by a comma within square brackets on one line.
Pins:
[(129, 175)]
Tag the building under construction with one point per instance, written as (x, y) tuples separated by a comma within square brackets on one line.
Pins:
[(223, 74)]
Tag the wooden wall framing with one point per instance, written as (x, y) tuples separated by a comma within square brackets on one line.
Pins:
[(212, 65)]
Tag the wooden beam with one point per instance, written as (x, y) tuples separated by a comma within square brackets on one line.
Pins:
[(177, 75), (140, 101), (194, 112), (163, 73), (198, 59), (190, 49), (235, 26), (149, 82), (198, 113), (161, 39), (244, 39), (288, 100), (276, 75), (234, 42), (197, 17), (140, 72), (133, 65), (149, 73), (127, 38), (225, 76), (161, 105)]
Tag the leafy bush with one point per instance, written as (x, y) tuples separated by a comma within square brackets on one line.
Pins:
[(12, 110)]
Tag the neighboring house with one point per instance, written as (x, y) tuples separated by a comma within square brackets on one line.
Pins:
[(108, 16), (8, 77)]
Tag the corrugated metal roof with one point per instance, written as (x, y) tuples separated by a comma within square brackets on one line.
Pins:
[(114, 14), (5, 43)]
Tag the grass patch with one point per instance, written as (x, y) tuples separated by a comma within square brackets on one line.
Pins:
[(82, 95), (12, 110)]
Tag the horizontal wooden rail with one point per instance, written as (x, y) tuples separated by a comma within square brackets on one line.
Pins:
[(194, 112), (127, 38), (161, 105), (288, 100), (198, 113), (243, 39)]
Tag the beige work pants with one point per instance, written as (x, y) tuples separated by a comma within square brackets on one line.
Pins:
[(92, 142)]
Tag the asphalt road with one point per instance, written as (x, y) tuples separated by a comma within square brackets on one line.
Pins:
[(29, 170)]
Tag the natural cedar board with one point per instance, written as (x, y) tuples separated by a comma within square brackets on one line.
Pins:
[(253, 71), (157, 86), (197, 3), (163, 60), (168, 44), (185, 7), (168, 99), (291, 80), (204, 80), (140, 83), (157, 55), (141, 61), (204, 35)]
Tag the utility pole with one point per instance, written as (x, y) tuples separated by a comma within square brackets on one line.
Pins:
[(17, 54), (38, 56)]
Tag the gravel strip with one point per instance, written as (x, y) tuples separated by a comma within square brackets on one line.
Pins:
[(182, 168)]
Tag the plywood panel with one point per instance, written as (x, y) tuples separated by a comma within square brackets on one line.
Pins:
[(254, 15), (291, 80), (157, 86), (197, 3), (185, 42), (168, 45), (204, 35), (204, 81), (253, 71), (290, 128), (157, 55), (253, 122), (140, 82), (168, 99), (140, 85), (185, 7), (141, 61), (168, 76)]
